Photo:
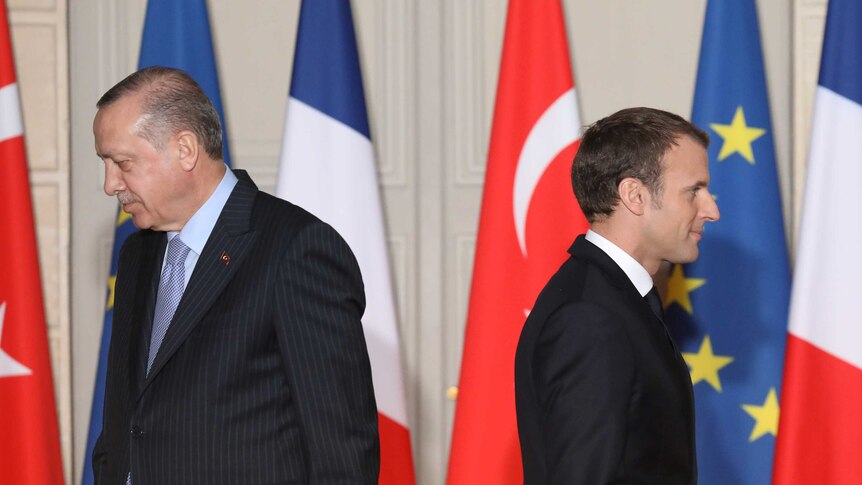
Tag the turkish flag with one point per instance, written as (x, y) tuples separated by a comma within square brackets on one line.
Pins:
[(529, 218), (29, 436)]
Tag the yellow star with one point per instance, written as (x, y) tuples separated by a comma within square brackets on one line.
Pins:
[(705, 365), (122, 217), (765, 417), (678, 288), (737, 137), (112, 282)]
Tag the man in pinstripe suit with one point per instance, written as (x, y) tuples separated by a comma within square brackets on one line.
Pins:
[(258, 371)]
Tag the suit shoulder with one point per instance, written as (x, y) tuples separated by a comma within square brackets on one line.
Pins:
[(285, 220), (575, 303), (273, 209)]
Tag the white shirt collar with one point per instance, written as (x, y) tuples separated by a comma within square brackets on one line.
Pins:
[(198, 229), (638, 275)]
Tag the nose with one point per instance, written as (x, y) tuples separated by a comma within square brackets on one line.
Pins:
[(113, 179), (710, 209)]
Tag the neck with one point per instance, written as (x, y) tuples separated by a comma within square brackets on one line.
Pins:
[(626, 237)]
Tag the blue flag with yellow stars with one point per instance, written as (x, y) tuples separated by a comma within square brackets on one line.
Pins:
[(176, 34), (728, 310)]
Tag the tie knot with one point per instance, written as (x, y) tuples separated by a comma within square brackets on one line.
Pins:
[(654, 301), (177, 251)]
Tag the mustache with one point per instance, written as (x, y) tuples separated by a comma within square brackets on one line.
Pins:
[(125, 198)]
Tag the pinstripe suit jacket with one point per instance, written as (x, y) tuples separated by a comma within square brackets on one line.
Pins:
[(263, 376)]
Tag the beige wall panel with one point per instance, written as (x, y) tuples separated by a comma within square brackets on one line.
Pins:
[(629, 53), (776, 28), (254, 42), (46, 210), (36, 54), (384, 39), (48, 5), (473, 56)]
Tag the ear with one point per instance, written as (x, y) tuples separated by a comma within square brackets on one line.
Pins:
[(188, 149), (634, 195)]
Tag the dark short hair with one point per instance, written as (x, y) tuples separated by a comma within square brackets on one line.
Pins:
[(629, 143), (172, 102)]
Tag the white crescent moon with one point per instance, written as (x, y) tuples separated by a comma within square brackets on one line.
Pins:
[(556, 129)]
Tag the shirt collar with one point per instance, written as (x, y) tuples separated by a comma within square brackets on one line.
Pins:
[(638, 275), (196, 232)]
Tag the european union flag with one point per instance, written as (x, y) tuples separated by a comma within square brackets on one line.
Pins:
[(728, 310), (176, 34)]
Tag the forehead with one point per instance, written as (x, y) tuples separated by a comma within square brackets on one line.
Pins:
[(116, 122), (686, 162)]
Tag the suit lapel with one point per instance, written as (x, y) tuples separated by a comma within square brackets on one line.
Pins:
[(223, 254), (585, 249), (152, 253), (618, 278)]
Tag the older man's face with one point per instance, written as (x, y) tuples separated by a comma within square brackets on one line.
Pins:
[(146, 181)]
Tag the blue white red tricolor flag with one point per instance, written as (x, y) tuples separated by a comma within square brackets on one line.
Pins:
[(29, 435), (327, 167), (820, 432)]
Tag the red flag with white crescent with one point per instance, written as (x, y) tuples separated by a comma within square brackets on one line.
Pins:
[(529, 218), (29, 436)]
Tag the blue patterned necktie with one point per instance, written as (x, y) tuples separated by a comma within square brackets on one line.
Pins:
[(171, 287)]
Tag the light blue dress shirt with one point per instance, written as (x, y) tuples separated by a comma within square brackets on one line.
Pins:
[(198, 229)]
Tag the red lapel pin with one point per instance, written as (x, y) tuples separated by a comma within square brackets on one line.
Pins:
[(224, 258)]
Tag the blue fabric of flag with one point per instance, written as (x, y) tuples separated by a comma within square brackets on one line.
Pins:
[(734, 298), (326, 74), (176, 34), (840, 73)]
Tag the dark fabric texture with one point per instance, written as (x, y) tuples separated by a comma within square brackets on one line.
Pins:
[(602, 394), (263, 376)]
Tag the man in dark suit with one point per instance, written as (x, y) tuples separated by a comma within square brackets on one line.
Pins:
[(602, 392), (237, 354)]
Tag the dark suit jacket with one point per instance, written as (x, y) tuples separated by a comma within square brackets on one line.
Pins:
[(263, 376), (602, 394)]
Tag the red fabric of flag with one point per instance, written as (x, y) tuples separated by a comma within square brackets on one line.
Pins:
[(529, 218), (29, 436)]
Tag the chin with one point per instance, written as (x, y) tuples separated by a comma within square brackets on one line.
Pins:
[(686, 257), (141, 223), (692, 257)]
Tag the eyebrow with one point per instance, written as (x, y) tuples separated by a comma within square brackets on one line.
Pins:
[(699, 184)]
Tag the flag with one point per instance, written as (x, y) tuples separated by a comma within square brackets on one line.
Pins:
[(29, 434), (528, 220), (821, 426), (728, 310), (176, 34), (327, 166)]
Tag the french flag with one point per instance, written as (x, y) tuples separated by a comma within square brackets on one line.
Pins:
[(328, 167), (820, 431)]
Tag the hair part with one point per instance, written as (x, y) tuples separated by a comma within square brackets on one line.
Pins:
[(629, 143), (171, 102)]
